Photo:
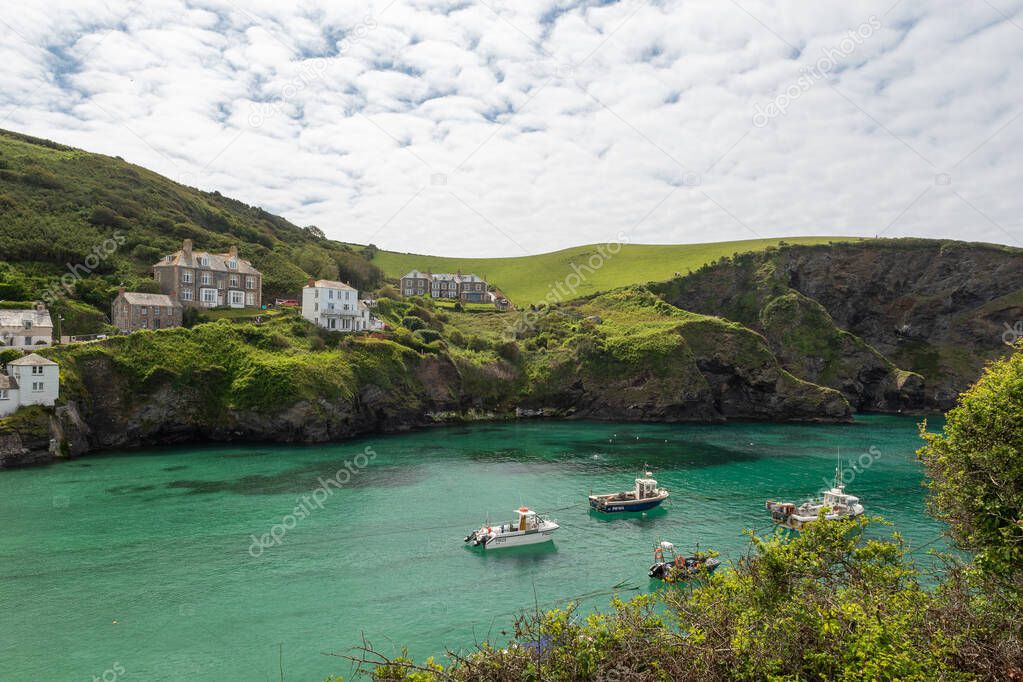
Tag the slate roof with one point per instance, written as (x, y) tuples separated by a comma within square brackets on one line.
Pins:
[(331, 284), (16, 318), (31, 359), (162, 300), (217, 262)]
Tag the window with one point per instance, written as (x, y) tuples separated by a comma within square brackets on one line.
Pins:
[(233, 280), (36, 369), (250, 298), (316, 307), (144, 310), (207, 278), (186, 294), (408, 292), (27, 324), (37, 387), (236, 298), (186, 276), (250, 282), (156, 310), (3, 394), (156, 275), (208, 296), (233, 264), (204, 261)]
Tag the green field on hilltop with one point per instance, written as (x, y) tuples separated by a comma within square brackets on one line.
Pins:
[(528, 279)]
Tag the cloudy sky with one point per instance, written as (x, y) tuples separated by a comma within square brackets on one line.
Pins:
[(489, 127)]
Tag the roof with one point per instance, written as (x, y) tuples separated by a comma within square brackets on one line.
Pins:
[(8, 382), (331, 284), (217, 262), (414, 274), (136, 298), (16, 318), (31, 359)]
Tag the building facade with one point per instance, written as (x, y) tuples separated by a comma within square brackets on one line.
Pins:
[(26, 328), (132, 311), (334, 305), (29, 380), (209, 280), (457, 287)]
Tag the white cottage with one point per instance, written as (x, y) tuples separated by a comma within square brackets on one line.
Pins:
[(334, 305), (26, 328), (29, 380)]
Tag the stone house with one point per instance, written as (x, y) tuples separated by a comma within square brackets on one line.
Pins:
[(29, 380), (132, 311), (209, 280), (458, 287), (26, 328)]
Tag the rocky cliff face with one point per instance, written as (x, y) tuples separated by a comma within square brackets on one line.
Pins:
[(893, 324)]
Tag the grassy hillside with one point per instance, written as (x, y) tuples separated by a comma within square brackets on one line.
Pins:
[(63, 208), (529, 279)]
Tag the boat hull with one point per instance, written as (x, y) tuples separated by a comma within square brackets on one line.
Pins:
[(603, 505), (505, 541)]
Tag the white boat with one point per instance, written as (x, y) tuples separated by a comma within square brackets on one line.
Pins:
[(836, 503), (529, 528), (646, 495)]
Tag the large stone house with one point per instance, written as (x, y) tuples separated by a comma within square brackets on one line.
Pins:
[(132, 311), (334, 305), (209, 280), (26, 328), (469, 288), (29, 380)]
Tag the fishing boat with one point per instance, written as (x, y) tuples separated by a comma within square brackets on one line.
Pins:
[(529, 528), (835, 503), (646, 495), (672, 567)]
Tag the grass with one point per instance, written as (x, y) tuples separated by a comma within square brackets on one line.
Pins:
[(530, 279)]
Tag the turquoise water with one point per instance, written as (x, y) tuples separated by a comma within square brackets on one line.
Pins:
[(160, 541)]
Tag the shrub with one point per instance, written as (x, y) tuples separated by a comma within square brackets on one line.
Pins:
[(427, 335), (412, 322)]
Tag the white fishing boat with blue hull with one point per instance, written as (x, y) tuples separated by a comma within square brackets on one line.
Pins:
[(646, 495), (529, 528)]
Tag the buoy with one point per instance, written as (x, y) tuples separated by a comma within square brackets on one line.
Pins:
[(115, 622)]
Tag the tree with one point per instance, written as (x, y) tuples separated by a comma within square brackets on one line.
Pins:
[(976, 469)]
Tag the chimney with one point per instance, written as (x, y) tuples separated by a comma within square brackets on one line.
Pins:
[(40, 307), (186, 248), (233, 251), (312, 282), (120, 291)]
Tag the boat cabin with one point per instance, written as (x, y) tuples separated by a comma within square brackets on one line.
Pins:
[(646, 487)]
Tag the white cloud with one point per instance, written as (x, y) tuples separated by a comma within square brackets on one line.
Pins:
[(550, 123)]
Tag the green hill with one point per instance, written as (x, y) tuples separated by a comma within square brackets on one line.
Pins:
[(58, 205), (529, 279)]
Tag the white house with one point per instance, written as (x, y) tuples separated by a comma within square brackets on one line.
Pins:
[(26, 328), (30, 380), (334, 305)]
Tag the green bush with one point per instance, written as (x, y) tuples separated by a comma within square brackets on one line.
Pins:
[(427, 335), (413, 323)]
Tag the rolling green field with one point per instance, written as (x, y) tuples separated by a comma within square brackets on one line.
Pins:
[(529, 279)]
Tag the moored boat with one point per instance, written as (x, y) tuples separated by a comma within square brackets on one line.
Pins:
[(672, 567), (529, 528), (835, 504), (646, 495)]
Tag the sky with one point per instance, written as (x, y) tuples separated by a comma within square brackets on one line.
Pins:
[(505, 128)]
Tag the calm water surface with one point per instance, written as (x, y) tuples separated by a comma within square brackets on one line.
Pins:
[(160, 541)]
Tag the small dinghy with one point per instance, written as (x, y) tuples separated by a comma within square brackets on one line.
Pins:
[(529, 529), (836, 504), (672, 567), (646, 495)]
